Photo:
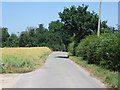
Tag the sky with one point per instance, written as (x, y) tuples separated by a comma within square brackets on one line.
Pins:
[(17, 16)]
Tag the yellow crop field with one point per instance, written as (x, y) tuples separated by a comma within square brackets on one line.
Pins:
[(22, 59)]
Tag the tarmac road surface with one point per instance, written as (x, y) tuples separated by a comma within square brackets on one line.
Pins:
[(58, 72)]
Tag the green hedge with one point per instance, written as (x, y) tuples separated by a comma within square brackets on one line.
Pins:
[(103, 50), (71, 48)]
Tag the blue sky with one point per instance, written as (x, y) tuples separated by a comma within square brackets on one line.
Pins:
[(17, 16)]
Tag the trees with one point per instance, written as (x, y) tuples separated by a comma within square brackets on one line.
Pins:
[(58, 29), (31, 36), (0, 37), (13, 41), (78, 22), (56, 26), (39, 34), (42, 37), (23, 39), (54, 41), (5, 36), (40, 29)]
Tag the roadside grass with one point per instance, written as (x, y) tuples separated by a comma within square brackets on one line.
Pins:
[(20, 60), (110, 78)]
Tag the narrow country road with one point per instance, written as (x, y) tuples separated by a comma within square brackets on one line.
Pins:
[(58, 72)]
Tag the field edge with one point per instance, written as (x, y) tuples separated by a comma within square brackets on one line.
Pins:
[(35, 65)]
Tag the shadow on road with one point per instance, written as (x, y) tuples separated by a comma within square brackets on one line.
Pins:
[(62, 57)]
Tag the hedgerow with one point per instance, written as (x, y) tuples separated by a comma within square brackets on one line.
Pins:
[(103, 50), (71, 47)]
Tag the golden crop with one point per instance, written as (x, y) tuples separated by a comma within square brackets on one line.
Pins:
[(18, 59)]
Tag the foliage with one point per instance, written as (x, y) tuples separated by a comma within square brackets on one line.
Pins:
[(81, 49), (103, 50), (22, 59), (78, 22), (58, 27), (55, 26), (71, 48), (5, 35), (12, 41), (37, 37), (0, 37), (23, 39), (54, 41)]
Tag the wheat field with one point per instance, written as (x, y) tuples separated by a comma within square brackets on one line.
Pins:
[(22, 59)]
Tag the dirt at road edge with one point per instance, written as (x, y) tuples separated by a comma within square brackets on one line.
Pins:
[(9, 80)]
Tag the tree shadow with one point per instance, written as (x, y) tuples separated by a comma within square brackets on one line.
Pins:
[(62, 57)]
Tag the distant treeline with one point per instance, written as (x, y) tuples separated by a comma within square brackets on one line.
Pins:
[(75, 24), (35, 37)]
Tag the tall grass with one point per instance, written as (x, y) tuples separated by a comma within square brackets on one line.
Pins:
[(22, 59)]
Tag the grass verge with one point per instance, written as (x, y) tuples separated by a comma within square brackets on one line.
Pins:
[(20, 60), (110, 78)]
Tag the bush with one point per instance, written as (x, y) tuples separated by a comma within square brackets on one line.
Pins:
[(82, 48), (103, 50), (71, 48)]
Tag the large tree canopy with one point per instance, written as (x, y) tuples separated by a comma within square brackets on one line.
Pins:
[(79, 22)]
